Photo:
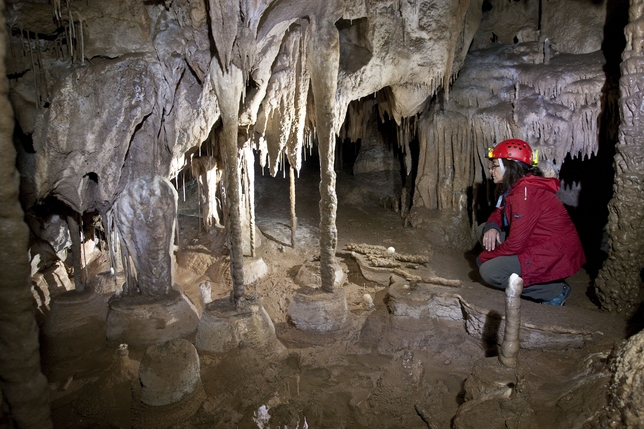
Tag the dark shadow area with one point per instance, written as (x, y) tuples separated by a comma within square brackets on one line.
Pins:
[(636, 323), (355, 46), (594, 177), (490, 337)]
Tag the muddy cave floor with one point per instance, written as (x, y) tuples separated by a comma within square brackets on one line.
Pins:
[(376, 373)]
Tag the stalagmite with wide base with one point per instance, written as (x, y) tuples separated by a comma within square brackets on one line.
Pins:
[(149, 310)]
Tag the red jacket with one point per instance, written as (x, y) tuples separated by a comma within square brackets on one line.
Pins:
[(541, 233)]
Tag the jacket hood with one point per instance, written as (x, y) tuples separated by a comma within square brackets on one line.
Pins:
[(546, 183)]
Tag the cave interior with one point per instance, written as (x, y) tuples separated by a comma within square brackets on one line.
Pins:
[(262, 213)]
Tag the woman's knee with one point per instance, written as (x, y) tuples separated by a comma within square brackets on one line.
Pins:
[(488, 273)]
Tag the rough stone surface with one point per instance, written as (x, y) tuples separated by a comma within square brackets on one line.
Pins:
[(142, 321), (494, 395), (483, 317), (195, 259), (169, 372), (24, 387), (423, 302), (51, 282), (75, 324), (627, 385), (309, 275), (619, 283), (254, 270), (224, 327), (315, 310), (145, 216), (106, 283)]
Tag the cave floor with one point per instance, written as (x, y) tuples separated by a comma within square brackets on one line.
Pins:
[(379, 372)]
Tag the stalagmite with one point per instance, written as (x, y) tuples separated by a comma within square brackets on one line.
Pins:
[(25, 391), (145, 218), (291, 177), (618, 283), (324, 47), (510, 343), (228, 86)]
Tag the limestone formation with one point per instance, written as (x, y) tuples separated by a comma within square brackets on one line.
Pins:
[(109, 94), (619, 282), (314, 309), (141, 320), (170, 390), (224, 327), (24, 387), (510, 345), (627, 386), (145, 216), (168, 372)]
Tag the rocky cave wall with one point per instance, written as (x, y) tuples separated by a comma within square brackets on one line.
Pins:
[(106, 92), (528, 76), (619, 282), (24, 387)]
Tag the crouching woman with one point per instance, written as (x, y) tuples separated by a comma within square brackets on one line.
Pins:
[(530, 232)]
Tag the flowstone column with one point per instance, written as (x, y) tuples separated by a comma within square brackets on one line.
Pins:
[(149, 311), (618, 283), (323, 308), (24, 388)]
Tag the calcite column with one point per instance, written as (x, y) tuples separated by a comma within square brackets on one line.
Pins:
[(324, 62), (618, 282), (24, 388), (229, 86), (145, 217)]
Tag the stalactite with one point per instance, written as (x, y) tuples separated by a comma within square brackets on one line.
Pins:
[(82, 38), (249, 167), (74, 233), (83, 250), (212, 181), (22, 42), (106, 217), (292, 201), (34, 70), (57, 10), (302, 84)]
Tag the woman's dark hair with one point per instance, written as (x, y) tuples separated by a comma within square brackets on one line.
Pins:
[(514, 170)]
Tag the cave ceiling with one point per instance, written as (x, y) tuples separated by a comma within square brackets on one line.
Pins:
[(110, 91)]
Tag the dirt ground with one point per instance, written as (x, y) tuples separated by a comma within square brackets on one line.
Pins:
[(378, 372)]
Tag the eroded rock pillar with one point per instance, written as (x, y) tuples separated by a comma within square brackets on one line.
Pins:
[(24, 387), (324, 61), (229, 86), (618, 282), (145, 218), (150, 311)]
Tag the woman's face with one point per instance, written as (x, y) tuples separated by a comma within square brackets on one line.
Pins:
[(495, 170)]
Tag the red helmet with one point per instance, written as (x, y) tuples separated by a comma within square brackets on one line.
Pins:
[(515, 149)]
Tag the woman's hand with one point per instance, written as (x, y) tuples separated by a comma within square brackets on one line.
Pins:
[(491, 239)]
